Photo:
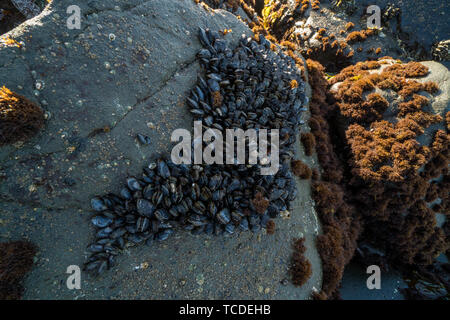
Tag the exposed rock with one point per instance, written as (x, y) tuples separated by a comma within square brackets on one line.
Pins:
[(439, 103), (127, 71), (324, 35)]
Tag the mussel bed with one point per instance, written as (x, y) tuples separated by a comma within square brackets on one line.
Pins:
[(250, 86)]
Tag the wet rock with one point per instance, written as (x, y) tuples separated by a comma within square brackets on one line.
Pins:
[(96, 114)]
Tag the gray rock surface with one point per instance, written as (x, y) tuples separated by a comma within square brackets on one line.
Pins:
[(439, 102), (424, 22), (126, 71), (353, 286)]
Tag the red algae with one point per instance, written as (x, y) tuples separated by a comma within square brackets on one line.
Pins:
[(270, 227), (217, 99), (340, 223), (384, 161), (260, 203), (20, 119), (300, 169), (358, 36), (385, 151), (300, 268), (309, 143), (349, 26)]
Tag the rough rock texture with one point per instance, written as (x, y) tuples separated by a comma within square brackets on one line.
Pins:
[(439, 102), (127, 71), (415, 25), (403, 197), (324, 34), (332, 35), (433, 23)]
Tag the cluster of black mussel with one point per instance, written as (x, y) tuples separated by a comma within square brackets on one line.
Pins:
[(255, 89)]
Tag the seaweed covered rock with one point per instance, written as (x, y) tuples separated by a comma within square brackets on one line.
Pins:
[(393, 119), (320, 33), (244, 9), (341, 223), (381, 132), (20, 118)]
